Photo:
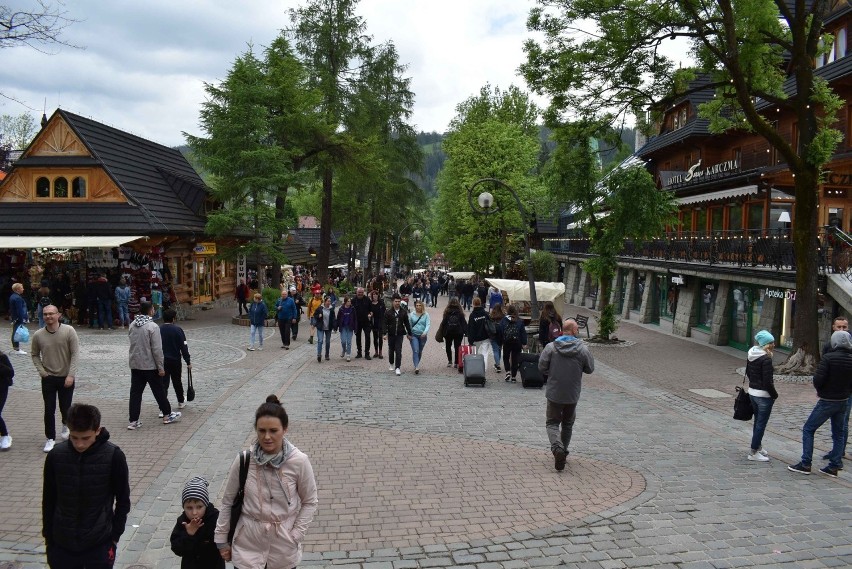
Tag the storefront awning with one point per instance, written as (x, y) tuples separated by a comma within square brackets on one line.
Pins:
[(64, 242), (720, 195)]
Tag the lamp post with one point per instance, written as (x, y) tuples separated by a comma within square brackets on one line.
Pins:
[(485, 204), (416, 235)]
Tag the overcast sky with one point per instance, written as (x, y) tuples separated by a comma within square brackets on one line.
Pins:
[(143, 64)]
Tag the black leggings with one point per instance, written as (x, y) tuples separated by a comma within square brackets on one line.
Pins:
[(4, 393), (511, 358), (452, 343), (378, 340)]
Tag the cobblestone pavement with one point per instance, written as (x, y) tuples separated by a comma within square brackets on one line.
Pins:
[(418, 471)]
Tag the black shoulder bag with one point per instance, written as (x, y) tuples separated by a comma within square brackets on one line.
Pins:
[(237, 506), (742, 403), (190, 390)]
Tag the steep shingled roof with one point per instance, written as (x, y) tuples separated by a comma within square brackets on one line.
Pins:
[(166, 194)]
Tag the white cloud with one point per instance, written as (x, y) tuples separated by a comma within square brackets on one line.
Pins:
[(143, 64)]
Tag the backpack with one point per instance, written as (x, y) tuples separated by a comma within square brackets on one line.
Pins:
[(454, 327), (511, 335), (44, 301), (555, 330)]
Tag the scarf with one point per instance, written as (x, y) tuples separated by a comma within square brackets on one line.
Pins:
[(141, 320), (273, 460)]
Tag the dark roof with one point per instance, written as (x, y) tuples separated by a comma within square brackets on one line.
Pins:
[(547, 226), (73, 218), (694, 127), (166, 194)]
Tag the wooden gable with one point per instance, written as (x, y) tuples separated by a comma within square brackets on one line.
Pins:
[(57, 139), (58, 154)]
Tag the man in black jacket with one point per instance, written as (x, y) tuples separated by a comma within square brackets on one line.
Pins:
[(833, 383), (86, 495), (361, 304), (396, 326)]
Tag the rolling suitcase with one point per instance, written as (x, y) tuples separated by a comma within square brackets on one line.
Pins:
[(474, 370), (464, 350), (531, 378)]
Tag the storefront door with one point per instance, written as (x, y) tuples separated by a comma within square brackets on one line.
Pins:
[(746, 303), (202, 279)]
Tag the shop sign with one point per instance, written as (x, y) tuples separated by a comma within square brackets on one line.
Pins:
[(696, 172), (204, 249), (838, 179), (782, 293), (679, 280)]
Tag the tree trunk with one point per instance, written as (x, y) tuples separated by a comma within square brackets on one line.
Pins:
[(805, 242), (325, 226), (369, 272), (277, 239)]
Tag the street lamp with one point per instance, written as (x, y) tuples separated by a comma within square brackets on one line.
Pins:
[(416, 234), (485, 205)]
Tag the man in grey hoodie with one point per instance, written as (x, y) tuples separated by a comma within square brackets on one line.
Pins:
[(564, 361), (147, 366)]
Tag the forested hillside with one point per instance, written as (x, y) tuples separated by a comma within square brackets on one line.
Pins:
[(433, 155)]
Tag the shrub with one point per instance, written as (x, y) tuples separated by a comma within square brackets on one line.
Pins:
[(607, 322)]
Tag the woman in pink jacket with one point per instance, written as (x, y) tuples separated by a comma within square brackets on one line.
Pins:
[(280, 498)]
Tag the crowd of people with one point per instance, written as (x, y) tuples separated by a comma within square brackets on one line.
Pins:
[(270, 487)]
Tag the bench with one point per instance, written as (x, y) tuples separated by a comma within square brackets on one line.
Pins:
[(583, 322)]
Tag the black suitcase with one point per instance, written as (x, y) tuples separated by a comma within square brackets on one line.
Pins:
[(474, 370), (531, 378)]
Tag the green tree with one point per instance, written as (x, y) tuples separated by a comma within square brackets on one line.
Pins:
[(331, 41), (257, 121), (624, 204), (493, 135), (17, 131), (381, 180), (605, 59)]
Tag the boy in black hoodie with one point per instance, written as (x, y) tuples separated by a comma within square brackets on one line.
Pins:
[(192, 536)]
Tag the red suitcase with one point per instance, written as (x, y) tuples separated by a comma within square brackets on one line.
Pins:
[(464, 350)]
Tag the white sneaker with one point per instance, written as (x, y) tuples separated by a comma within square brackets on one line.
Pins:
[(48, 446), (758, 457), (390, 368), (174, 417), (64, 433), (181, 405), (134, 425), (763, 452), (5, 442), (160, 414), (21, 352), (260, 349), (250, 348), (348, 359), (398, 372)]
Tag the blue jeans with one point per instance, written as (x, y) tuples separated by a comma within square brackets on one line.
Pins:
[(256, 330), (417, 345), (762, 407), (824, 411), (123, 314), (40, 311), (323, 336), (105, 313), (498, 351), (845, 422), (346, 340)]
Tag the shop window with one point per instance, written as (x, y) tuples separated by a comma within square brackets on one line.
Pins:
[(42, 188), (60, 187), (638, 291), (755, 217), (735, 217), (701, 221), (78, 187), (716, 216), (777, 219), (708, 304)]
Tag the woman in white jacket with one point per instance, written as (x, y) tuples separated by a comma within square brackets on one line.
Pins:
[(280, 498)]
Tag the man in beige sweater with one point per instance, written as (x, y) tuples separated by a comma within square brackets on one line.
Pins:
[(55, 350)]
